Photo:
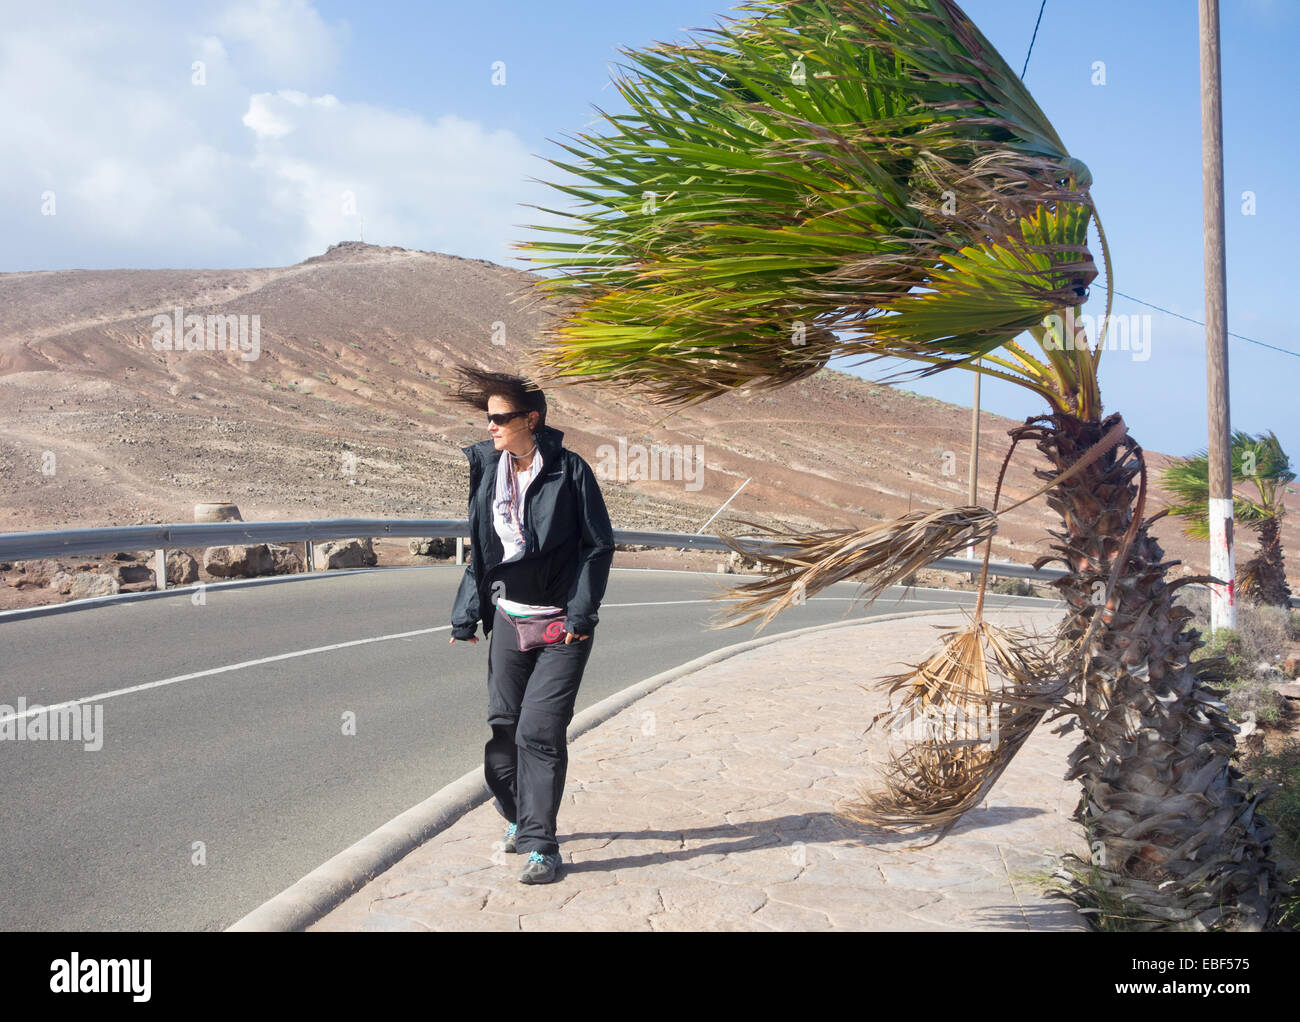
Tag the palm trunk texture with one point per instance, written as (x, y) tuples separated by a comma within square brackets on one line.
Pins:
[(1173, 826), (1264, 576)]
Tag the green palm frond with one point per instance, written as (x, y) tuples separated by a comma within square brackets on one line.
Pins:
[(1258, 462), (829, 177), (981, 298), (1188, 479)]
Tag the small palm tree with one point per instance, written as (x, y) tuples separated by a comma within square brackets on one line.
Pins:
[(870, 178), (1258, 462)]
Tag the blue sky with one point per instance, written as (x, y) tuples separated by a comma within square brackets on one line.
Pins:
[(303, 105)]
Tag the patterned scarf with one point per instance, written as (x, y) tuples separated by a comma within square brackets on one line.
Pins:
[(508, 495)]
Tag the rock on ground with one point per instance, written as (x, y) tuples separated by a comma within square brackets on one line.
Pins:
[(283, 560), (182, 568), (238, 561), (90, 584), (344, 553), (440, 546), (34, 573), (132, 573)]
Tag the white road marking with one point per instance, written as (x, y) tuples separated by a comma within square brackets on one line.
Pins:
[(220, 670), (328, 649)]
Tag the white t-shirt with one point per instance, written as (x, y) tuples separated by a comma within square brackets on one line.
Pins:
[(511, 541)]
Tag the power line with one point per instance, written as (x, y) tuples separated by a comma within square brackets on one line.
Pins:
[(1149, 305), (1178, 315), (1035, 36)]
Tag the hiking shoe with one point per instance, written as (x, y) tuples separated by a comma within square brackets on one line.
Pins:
[(508, 845), (540, 869)]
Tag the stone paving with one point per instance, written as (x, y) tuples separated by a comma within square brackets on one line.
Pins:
[(707, 805)]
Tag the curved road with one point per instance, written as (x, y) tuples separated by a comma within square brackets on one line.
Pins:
[(227, 770)]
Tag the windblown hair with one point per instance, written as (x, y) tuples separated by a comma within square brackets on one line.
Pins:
[(478, 385)]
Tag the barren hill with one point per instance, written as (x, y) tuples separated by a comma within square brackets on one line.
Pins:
[(344, 411)]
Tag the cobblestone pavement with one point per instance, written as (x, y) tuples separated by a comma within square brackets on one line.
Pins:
[(707, 805)]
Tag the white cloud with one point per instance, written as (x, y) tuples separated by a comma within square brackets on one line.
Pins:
[(283, 38), (152, 170), (262, 120), (445, 181)]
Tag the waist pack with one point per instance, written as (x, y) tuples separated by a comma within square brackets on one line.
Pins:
[(535, 630)]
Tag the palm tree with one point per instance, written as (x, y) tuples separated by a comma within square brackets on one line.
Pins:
[(1257, 461), (870, 178)]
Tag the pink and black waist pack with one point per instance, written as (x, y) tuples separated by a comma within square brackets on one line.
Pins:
[(536, 630)]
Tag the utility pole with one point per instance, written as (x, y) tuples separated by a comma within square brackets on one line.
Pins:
[(1223, 605)]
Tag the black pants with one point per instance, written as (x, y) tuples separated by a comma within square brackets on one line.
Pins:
[(530, 703)]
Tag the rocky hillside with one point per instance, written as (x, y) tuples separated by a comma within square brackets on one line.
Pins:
[(344, 410)]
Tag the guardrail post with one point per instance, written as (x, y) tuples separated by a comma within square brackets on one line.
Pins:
[(160, 569), (460, 549), (309, 553)]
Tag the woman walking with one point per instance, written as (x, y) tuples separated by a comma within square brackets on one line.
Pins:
[(541, 548)]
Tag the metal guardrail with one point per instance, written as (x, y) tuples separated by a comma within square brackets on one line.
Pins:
[(28, 546), (999, 569)]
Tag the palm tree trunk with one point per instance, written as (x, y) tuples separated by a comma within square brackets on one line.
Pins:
[(1172, 824), (1269, 575)]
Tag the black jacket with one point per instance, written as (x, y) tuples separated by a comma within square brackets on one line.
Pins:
[(570, 541)]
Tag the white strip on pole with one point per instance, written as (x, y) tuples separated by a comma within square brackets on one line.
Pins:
[(1223, 603)]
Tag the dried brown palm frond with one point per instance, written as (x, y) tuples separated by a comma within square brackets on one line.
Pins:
[(1249, 575), (958, 731), (880, 555)]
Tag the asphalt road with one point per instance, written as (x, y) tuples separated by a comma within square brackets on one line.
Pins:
[(227, 770)]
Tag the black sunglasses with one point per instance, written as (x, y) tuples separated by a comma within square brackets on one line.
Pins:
[(501, 418)]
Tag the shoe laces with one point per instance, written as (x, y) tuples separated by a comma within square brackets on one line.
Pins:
[(510, 831), (536, 857)]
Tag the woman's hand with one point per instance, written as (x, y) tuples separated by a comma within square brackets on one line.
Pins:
[(570, 636), (471, 639)]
